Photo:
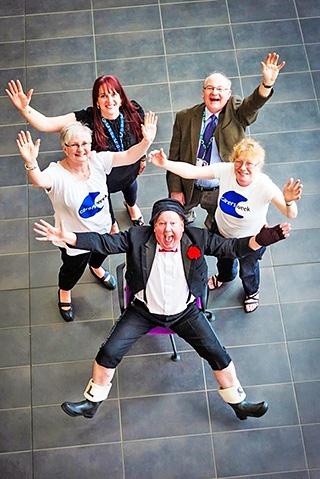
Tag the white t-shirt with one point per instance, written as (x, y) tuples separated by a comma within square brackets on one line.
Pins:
[(242, 211), (82, 205)]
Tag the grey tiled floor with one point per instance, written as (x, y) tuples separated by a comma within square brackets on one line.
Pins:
[(163, 419)]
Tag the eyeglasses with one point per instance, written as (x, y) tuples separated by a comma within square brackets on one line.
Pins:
[(248, 165), (219, 89), (75, 146)]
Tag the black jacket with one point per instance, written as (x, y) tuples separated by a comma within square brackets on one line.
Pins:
[(139, 244)]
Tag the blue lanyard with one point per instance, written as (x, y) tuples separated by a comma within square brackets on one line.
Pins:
[(118, 145), (203, 144)]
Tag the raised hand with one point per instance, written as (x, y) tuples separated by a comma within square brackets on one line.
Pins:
[(28, 150), (292, 190), (270, 68), (268, 236), (157, 158), (48, 232), (17, 96), (149, 128)]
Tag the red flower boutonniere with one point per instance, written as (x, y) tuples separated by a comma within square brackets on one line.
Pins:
[(193, 252)]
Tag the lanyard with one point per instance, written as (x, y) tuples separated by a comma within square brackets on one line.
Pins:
[(118, 145), (205, 146)]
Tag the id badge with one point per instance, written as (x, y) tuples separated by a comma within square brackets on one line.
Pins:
[(201, 162)]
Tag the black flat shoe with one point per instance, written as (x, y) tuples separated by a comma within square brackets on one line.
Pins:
[(246, 409), (67, 314), (84, 408), (108, 280)]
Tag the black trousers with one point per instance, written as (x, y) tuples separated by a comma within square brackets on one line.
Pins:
[(191, 325), (73, 267)]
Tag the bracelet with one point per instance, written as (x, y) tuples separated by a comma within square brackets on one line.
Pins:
[(289, 204), (30, 168), (267, 86)]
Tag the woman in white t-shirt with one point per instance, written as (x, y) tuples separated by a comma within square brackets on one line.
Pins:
[(244, 197), (77, 189)]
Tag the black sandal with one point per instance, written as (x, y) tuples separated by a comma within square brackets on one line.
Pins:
[(215, 282), (251, 299)]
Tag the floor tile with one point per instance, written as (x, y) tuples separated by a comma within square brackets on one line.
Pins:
[(160, 458), (311, 438), (16, 465), (15, 432), (308, 406), (79, 462), (252, 11), (165, 415), (284, 451), (133, 381)]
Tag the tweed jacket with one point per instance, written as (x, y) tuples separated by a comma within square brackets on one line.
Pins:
[(233, 120), (139, 244)]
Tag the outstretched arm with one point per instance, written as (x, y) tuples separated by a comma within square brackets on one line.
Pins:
[(100, 243), (286, 202), (39, 121), (185, 170), (48, 232), (270, 71), (149, 130), (29, 152), (215, 245), (268, 236)]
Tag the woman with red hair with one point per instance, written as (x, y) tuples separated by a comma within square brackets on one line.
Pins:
[(116, 124)]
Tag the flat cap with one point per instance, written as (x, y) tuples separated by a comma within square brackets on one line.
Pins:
[(167, 204)]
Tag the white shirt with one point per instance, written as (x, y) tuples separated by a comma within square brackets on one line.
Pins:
[(167, 291)]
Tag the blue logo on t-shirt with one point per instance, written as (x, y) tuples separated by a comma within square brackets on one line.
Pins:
[(89, 208), (229, 202)]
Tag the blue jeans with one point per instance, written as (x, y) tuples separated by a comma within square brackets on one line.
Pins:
[(191, 325), (249, 268)]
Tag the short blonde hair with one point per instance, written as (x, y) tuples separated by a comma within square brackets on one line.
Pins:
[(252, 150), (76, 128)]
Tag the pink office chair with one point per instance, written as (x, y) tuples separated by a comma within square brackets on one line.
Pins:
[(124, 298)]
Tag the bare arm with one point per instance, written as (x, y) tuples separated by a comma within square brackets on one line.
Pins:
[(36, 119), (270, 71), (149, 130), (286, 203), (29, 152), (185, 170)]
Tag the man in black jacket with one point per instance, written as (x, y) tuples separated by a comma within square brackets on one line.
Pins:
[(166, 272)]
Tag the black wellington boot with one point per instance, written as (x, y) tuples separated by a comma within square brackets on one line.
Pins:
[(84, 408), (244, 409)]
